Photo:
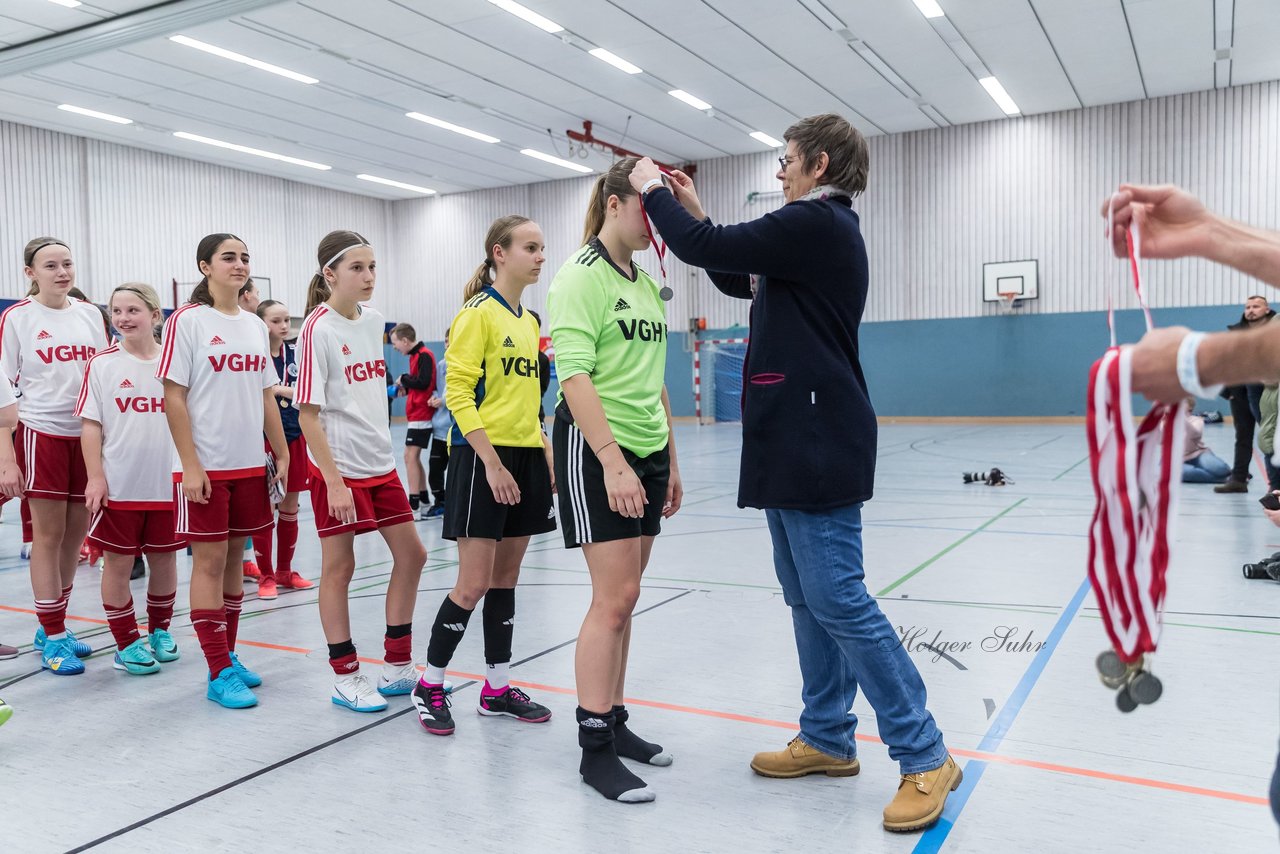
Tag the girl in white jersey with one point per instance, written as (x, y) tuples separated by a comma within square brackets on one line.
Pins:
[(45, 342), (130, 490), (216, 367), (341, 394)]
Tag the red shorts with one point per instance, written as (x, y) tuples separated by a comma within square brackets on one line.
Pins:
[(380, 503), (52, 466), (299, 477), (238, 507), (134, 532)]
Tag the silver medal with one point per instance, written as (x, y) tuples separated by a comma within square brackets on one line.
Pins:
[(666, 293)]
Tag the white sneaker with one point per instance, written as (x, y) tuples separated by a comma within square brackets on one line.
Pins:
[(398, 680), (423, 512), (354, 692)]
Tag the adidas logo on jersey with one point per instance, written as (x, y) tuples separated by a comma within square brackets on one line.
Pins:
[(346, 351), (621, 306), (126, 384), (216, 340), (507, 342), (43, 336)]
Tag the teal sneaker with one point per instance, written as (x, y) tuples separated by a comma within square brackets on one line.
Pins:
[(229, 690), (6, 712), (163, 646), (83, 650), (59, 657), (136, 659), (250, 679)]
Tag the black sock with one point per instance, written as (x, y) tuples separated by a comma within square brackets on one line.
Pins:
[(400, 631), (631, 746), (413, 502), (446, 632), (424, 497), (499, 614), (600, 767)]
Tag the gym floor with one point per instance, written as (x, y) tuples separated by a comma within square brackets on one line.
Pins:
[(991, 576)]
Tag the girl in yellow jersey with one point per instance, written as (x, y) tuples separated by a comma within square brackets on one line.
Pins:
[(498, 484)]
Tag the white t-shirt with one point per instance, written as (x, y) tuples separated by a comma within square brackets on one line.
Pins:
[(342, 369), (44, 351), (122, 394), (225, 363), (8, 397)]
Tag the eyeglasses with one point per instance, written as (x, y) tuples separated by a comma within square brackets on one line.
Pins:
[(785, 161)]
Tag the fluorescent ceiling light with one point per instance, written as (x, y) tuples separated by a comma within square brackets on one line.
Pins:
[(760, 136), (529, 15), (615, 60), (70, 4), (440, 123), (241, 58), (547, 158), (929, 8), (696, 103), (403, 186), (94, 114), (1001, 97), (270, 155)]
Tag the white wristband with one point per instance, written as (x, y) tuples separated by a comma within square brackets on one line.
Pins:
[(1189, 372), (649, 185)]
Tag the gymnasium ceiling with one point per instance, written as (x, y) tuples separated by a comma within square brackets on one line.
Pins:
[(758, 63)]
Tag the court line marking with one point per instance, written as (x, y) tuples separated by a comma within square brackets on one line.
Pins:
[(951, 547)]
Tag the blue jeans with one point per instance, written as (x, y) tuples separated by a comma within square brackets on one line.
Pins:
[(1206, 468), (845, 641)]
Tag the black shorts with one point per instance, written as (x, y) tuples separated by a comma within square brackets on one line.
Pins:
[(585, 516), (470, 509), (418, 437)]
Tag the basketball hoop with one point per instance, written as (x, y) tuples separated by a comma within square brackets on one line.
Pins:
[(1007, 301)]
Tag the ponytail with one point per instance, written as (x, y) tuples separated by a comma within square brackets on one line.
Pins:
[(317, 292), (615, 182), (201, 293), (500, 234)]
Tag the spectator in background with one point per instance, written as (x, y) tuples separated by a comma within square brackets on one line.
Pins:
[(544, 369), (249, 297), (441, 424), (1199, 464), (419, 386), (1244, 402)]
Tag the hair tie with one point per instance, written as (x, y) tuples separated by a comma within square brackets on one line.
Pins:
[(488, 263)]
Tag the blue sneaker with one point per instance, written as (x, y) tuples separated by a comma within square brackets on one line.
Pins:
[(229, 690), (163, 646), (398, 680), (250, 679), (136, 659), (83, 650), (436, 511), (59, 657)]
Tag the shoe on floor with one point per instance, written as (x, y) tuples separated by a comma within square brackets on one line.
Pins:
[(229, 690), (396, 680), (436, 511), (82, 649), (8, 652), (1230, 485), (423, 513), (251, 570), (250, 679), (354, 692), (6, 711), (136, 659), (59, 657), (511, 702), (799, 759), (432, 704), (163, 646), (293, 581), (921, 797), (267, 588)]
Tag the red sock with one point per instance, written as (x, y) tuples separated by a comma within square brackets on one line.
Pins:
[(211, 629), (232, 603), (124, 625), (52, 614), (66, 596), (262, 551), (160, 611), (345, 665), (398, 651), (286, 540)]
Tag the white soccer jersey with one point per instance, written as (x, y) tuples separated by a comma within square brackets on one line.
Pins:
[(225, 363), (341, 369), (44, 351), (122, 394), (8, 397)]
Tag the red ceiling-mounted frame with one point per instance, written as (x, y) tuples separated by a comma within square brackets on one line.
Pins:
[(585, 137)]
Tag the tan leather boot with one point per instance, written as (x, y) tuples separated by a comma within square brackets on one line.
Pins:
[(921, 797), (799, 759)]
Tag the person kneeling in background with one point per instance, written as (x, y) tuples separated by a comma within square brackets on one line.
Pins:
[(1199, 464)]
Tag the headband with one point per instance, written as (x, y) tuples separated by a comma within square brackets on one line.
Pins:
[(48, 243), (332, 260)]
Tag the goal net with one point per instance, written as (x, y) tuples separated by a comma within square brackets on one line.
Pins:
[(717, 379)]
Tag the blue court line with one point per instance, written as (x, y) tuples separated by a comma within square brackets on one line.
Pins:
[(933, 839)]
